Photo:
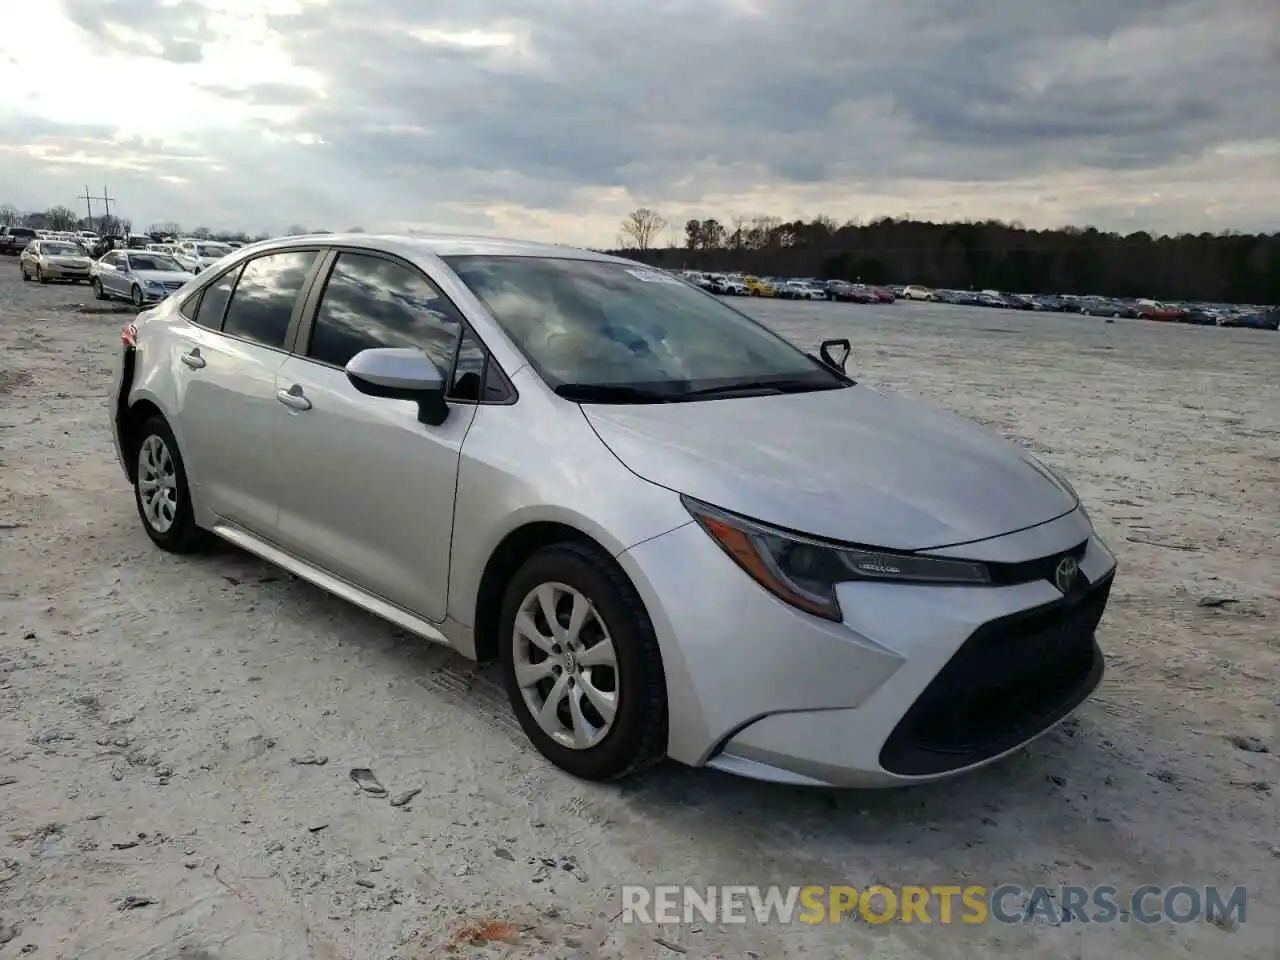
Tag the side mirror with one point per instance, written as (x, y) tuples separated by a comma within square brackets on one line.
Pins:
[(835, 353), (398, 373)]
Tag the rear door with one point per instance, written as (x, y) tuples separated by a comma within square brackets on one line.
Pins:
[(229, 354), (368, 489)]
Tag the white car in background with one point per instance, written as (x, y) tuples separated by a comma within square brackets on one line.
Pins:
[(195, 255), (918, 293)]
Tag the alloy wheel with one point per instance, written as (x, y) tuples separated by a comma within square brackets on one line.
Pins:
[(157, 484), (565, 665)]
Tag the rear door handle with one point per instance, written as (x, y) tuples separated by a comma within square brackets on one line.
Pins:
[(293, 398), (193, 359)]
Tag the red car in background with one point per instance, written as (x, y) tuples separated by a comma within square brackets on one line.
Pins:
[(1151, 310), (881, 294)]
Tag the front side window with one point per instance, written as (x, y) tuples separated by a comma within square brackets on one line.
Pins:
[(264, 298), (601, 326), (372, 302), (213, 250)]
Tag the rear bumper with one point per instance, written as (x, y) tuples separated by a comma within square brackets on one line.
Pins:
[(918, 683)]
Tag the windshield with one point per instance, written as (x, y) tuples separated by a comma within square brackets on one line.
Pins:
[(61, 249), (582, 322), (151, 261), (212, 250)]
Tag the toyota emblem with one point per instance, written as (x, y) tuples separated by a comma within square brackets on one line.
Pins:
[(1065, 576)]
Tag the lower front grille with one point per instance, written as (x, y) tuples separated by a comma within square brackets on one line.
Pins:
[(1010, 680)]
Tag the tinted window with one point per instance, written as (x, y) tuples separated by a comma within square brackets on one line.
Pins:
[(213, 302), (468, 375), (371, 302), (265, 296)]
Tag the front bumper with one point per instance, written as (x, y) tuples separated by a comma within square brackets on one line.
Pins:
[(54, 271), (918, 683)]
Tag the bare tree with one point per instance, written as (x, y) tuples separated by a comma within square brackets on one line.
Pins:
[(297, 230), (9, 214), (62, 218), (202, 233), (642, 227), (355, 229), (169, 228)]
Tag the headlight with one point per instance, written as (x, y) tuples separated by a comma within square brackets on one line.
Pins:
[(804, 571)]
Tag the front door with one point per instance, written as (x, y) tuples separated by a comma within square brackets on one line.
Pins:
[(367, 490)]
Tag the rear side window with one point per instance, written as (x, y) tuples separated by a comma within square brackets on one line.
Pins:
[(213, 302), (264, 298)]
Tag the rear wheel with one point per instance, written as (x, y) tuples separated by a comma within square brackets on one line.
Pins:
[(581, 664), (161, 491)]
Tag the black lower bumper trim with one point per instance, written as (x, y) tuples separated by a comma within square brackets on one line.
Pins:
[(1011, 680)]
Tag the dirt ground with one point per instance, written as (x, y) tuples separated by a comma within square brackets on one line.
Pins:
[(153, 710)]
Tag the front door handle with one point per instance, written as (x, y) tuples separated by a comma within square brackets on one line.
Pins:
[(193, 359), (293, 398)]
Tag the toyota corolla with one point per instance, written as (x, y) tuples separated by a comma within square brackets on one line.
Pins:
[(680, 535)]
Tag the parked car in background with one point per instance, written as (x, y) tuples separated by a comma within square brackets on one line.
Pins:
[(728, 285), (918, 293), (756, 287), (1154, 310), (195, 255), (645, 512), (62, 260), (13, 240), (138, 276)]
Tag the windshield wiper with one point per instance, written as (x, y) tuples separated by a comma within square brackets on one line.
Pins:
[(611, 393), (762, 386)]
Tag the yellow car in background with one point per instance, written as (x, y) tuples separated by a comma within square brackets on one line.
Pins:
[(759, 288)]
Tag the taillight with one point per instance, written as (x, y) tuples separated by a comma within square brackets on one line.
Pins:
[(129, 335)]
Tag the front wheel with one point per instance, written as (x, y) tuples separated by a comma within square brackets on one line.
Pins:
[(25, 277), (40, 275), (98, 292), (161, 491), (135, 295), (581, 663)]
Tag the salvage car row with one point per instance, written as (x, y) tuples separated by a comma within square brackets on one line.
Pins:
[(809, 288), (139, 276)]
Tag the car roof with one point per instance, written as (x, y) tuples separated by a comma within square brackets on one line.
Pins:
[(443, 245)]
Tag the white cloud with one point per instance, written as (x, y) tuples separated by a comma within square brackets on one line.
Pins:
[(255, 114)]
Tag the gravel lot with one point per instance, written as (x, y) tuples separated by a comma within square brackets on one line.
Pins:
[(152, 710)]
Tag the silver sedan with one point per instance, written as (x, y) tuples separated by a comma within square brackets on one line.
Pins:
[(678, 534)]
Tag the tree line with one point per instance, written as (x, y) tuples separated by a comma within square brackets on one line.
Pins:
[(64, 218), (1218, 268)]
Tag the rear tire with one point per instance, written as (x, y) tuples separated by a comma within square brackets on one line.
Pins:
[(161, 493), (635, 736)]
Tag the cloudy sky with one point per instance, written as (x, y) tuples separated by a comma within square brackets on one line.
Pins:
[(551, 120)]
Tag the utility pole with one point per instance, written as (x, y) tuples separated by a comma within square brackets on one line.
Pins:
[(88, 199)]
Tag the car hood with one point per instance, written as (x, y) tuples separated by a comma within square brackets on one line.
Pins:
[(67, 260), (854, 465), (162, 276)]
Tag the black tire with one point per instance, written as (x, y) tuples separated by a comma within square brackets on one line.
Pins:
[(638, 737), (40, 275), (98, 292), (25, 278), (183, 536), (135, 296)]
